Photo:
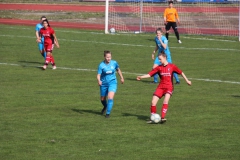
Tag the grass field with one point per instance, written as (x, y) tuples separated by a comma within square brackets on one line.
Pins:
[(55, 114)]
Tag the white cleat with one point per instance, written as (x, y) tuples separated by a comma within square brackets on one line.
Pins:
[(179, 41), (54, 67), (44, 67)]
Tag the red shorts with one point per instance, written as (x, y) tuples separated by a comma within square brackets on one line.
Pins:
[(160, 92), (48, 47)]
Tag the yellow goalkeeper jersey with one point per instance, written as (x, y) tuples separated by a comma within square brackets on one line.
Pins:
[(170, 14)]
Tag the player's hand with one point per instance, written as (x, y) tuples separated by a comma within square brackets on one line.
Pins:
[(165, 23), (38, 40), (99, 83), (189, 83), (138, 78), (57, 45), (153, 56), (122, 80), (178, 22)]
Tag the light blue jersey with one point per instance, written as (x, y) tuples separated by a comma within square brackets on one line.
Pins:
[(160, 47), (38, 27), (107, 72)]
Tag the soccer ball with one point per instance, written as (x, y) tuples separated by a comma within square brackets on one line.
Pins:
[(155, 118), (112, 30)]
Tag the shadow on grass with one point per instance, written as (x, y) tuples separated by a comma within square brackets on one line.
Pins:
[(31, 62), (141, 117), (236, 96), (27, 62), (86, 111)]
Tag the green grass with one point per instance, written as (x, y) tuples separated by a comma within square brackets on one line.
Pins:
[(54, 114)]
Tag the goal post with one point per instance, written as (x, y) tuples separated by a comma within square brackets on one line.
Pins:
[(213, 17)]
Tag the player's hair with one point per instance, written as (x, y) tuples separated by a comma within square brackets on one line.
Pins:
[(159, 29), (106, 52), (43, 17), (163, 54), (46, 21), (170, 2)]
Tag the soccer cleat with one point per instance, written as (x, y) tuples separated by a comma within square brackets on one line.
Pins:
[(163, 120), (153, 82), (44, 67), (178, 82), (179, 41), (54, 67), (107, 116), (150, 122)]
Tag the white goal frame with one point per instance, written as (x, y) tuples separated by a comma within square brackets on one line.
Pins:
[(190, 28)]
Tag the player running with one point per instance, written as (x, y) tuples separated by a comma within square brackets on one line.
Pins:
[(107, 81), (165, 87), (49, 40), (162, 45), (40, 44), (170, 17)]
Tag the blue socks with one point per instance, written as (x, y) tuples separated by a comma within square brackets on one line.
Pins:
[(109, 106), (155, 78), (176, 77)]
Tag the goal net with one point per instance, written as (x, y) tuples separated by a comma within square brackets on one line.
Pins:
[(216, 17)]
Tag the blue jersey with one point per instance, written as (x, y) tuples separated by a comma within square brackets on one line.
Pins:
[(38, 27), (160, 47), (107, 72)]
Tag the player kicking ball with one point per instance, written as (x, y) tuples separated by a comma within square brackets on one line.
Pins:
[(165, 86)]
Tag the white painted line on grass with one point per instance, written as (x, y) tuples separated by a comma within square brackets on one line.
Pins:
[(131, 45), (93, 70)]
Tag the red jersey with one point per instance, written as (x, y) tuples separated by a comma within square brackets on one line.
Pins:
[(166, 74), (48, 35)]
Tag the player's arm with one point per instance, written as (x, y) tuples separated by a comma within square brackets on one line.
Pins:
[(186, 79), (56, 40), (98, 79), (177, 17), (165, 17), (143, 76), (163, 44), (38, 35), (120, 74), (154, 51)]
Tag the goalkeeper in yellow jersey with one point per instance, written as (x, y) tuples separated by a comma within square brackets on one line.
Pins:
[(170, 17)]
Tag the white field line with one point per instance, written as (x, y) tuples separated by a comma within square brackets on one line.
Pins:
[(82, 32), (130, 45), (93, 70)]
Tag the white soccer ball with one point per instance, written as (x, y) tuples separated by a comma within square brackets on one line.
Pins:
[(155, 118), (112, 30)]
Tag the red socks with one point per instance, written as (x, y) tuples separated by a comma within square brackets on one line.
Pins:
[(164, 110), (52, 60), (153, 109), (48, 59)]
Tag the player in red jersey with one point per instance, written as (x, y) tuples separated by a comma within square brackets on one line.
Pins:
[(165, 87), (49, 40)]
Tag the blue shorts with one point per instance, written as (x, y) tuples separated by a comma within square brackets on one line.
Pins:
[(40, 46), (156, 61), (104, 89)]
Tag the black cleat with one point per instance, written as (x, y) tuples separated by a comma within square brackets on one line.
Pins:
[(107, 116), (163, 120), (177, 82), (153, 82)]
